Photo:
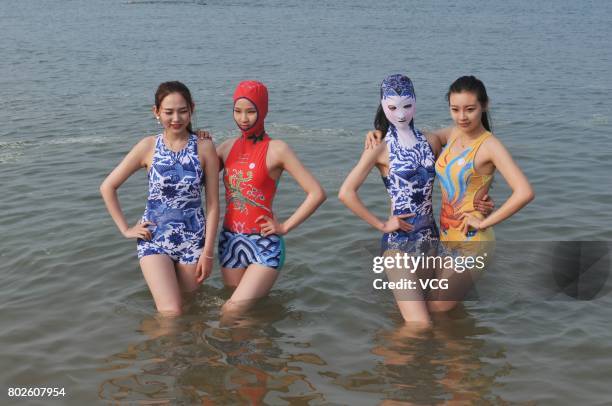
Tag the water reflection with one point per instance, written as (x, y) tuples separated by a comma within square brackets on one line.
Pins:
[(452, 363), (192, 359)]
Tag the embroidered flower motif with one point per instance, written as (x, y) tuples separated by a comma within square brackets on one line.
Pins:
[(239, 227), (241, 194)]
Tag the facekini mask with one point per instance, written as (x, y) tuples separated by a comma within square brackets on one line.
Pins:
[(398, 101)]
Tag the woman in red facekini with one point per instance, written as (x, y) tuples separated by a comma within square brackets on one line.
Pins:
[(251, 247)]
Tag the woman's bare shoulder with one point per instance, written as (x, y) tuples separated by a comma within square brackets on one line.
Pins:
[(145, 145), (224, 148), (279, 145)]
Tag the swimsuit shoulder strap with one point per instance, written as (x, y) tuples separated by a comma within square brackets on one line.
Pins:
[(453, 137), (481, 139), (158, 140), (195, 152), (260, 154), (233, 151), (390, 138), (476, 145), (157, 151)]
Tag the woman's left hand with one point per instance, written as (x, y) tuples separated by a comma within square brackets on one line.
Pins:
[(470, 221), (486, 205), (203, 268), (269, 225)]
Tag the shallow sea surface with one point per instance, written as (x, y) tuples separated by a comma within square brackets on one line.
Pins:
[(77, 82)]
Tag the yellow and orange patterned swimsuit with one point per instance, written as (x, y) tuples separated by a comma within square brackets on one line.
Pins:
[(461, 186)]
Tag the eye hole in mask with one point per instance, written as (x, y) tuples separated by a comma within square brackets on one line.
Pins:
[(399, 110)]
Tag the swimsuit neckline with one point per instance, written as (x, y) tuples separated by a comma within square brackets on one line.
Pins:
[(467, 148), (166, 147), (394, 137)]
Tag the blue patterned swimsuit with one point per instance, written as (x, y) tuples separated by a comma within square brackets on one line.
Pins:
[(174, 204), (410, 183)]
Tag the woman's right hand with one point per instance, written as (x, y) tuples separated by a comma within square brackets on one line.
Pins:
[(204, 267), (140, 230), (373, 139), (203, 134), (396, 223)]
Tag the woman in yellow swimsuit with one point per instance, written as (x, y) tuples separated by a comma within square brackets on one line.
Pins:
[(465, 170), (466, 165)]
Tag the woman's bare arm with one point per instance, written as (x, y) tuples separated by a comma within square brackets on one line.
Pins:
[(135, 159), (522, 192), (211, 173), (284, 156)]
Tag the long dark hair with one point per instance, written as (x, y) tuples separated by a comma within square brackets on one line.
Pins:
[(473, 85), (167, 88), (381, 122)]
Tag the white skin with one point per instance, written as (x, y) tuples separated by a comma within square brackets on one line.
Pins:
[(167, 279), (399, 111), (256, 280)]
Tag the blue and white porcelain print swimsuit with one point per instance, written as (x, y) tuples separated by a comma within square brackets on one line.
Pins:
[(174, 204), (410, 183)]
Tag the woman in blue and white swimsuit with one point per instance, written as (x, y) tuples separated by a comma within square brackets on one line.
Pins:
[(175, 238), (406, 161)]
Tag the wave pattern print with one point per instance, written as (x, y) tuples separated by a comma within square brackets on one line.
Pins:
[(237, 250)]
